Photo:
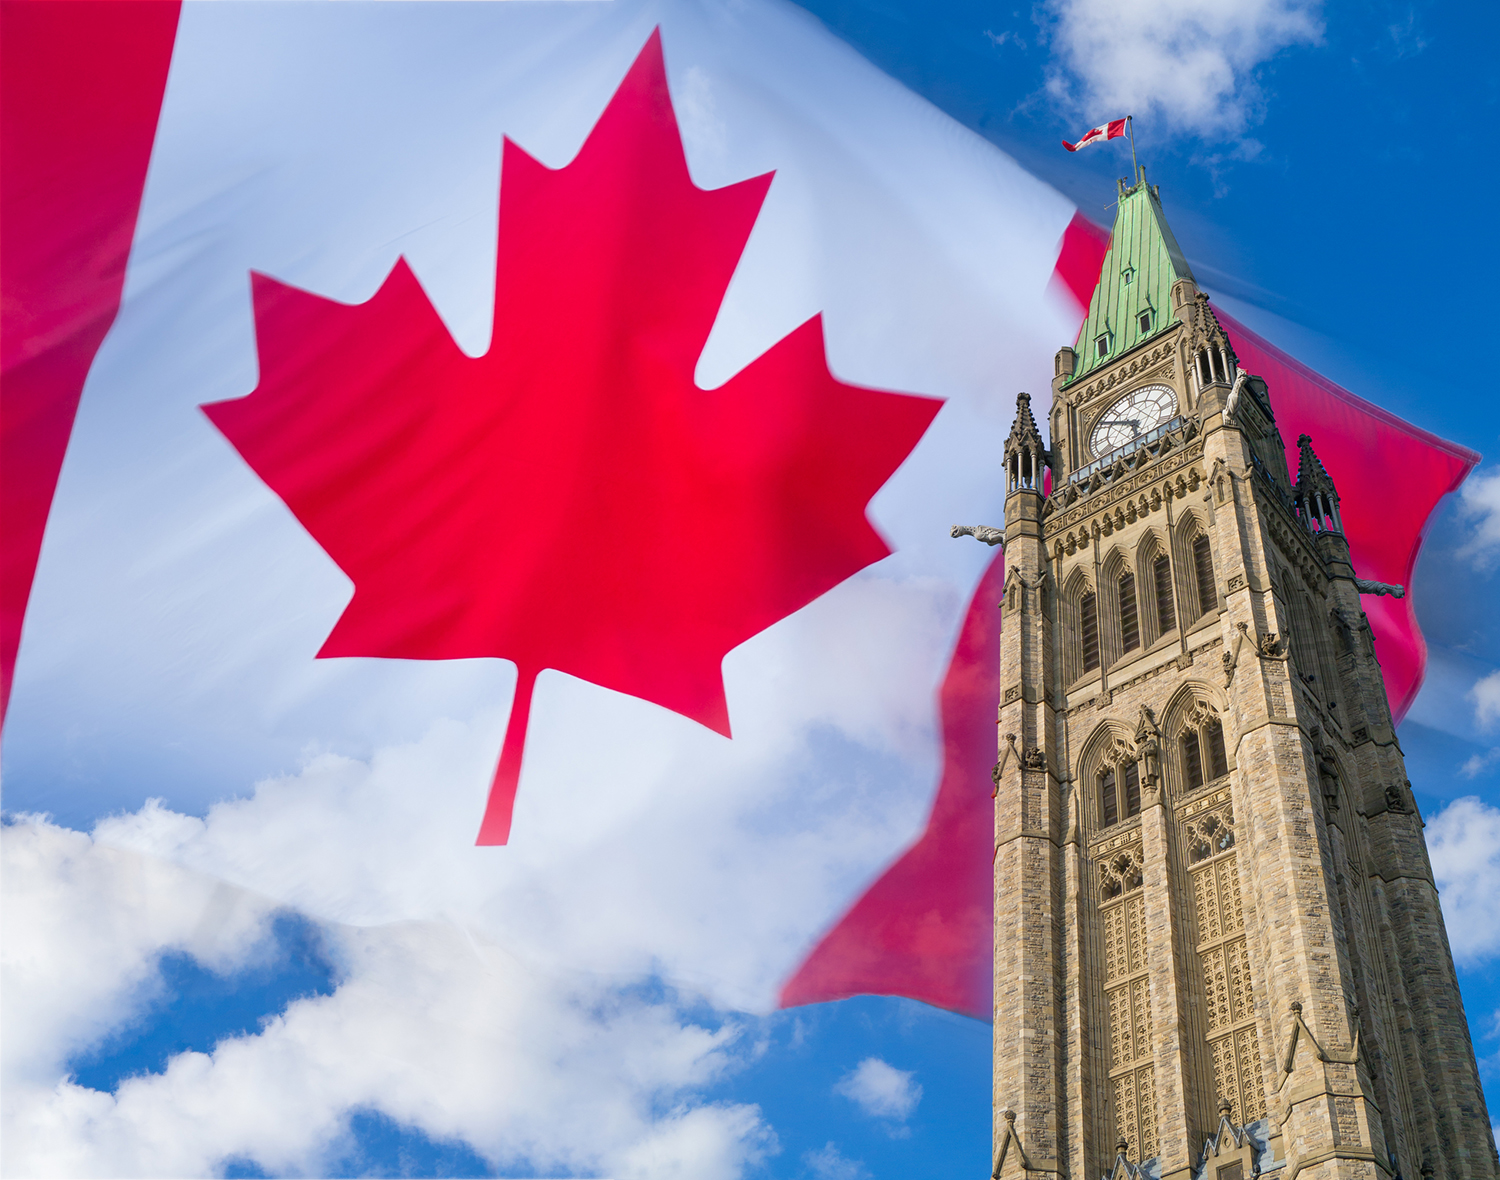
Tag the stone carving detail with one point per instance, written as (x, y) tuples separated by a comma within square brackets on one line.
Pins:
[(1397, 798), (1202, 714), (1121, 873), (1268, 646), (1231, 658), (1034, 759), (1135, 1112), (1128, 998), (1328, 771), (980, 532), (1010, 1136), (1365, 586), (1219, 481), (1209, 834), (1228, 1135), (1066, 506), (1012, 694), (1148, 748), (1299, 1029), (1006, 755), (1223, 954), (1236, 1061)]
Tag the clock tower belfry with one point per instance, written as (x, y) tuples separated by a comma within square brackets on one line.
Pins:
[(1218, 947)]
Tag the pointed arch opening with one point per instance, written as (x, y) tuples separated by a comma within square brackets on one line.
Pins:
[(1120, 622), (1154, 579), (1080, 619), (1195, 577), (1110, 776), (1196, 741)]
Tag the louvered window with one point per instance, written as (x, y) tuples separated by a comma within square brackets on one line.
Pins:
[(1213, 737), (1161, 574), (1130, 624), (1107, 797), (1203, 566), (1132, 790), (1088, 630), (1192, 760)]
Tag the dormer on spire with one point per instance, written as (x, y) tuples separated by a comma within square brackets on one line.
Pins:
[(1315, 497), (1025, 456)]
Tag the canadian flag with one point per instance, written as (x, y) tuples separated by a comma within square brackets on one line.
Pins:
[(544, 424), (1114, 129)]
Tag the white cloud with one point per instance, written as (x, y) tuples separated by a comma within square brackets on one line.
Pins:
[(828, 1163), (1478, 764), (1464, 842), (608, 871), (429, 1025), (1188, 64), (1486, 697), (880, 1089), (84, 926), (1479, 503)]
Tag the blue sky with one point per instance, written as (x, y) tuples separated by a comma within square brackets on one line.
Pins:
[(1328, 171)]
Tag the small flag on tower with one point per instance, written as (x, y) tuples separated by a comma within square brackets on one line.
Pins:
[(1111, 130)]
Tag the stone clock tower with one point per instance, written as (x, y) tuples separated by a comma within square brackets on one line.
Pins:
[(1218, 947)]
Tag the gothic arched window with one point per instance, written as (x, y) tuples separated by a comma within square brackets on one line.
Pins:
[(1203, 569), (1130, 623), (1088, 630), (1203, 755), (1161, 575), (1192, 759), (1213, 740), (1119, 792)]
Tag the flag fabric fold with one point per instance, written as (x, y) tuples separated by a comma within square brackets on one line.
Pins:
[(242, 612)]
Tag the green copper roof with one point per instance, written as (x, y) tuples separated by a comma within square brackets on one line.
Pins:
[(1142, 247)]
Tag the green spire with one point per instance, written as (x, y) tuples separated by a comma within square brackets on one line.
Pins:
[(1139, 269)]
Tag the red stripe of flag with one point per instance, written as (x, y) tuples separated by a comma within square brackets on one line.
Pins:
[(80, 90)]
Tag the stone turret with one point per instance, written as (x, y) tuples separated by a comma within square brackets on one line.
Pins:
[(1025, 453), (1029, 826), (1316, 498)]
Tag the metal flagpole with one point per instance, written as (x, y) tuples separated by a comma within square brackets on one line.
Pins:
[(1135, 175)]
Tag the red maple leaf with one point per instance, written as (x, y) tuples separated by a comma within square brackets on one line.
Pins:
[(572, 499)]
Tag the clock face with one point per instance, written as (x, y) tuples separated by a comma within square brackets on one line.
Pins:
[(1133, 415)]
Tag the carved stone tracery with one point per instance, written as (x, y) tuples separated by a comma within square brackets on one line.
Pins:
[(1209, 834), (1121, 872)]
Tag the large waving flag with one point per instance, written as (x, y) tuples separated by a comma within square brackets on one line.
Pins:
[(543, 424)]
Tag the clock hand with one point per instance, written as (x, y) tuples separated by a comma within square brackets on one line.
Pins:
[(1133, 423)]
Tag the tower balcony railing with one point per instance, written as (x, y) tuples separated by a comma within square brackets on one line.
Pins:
[(1106, 462), (1281, 494)]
